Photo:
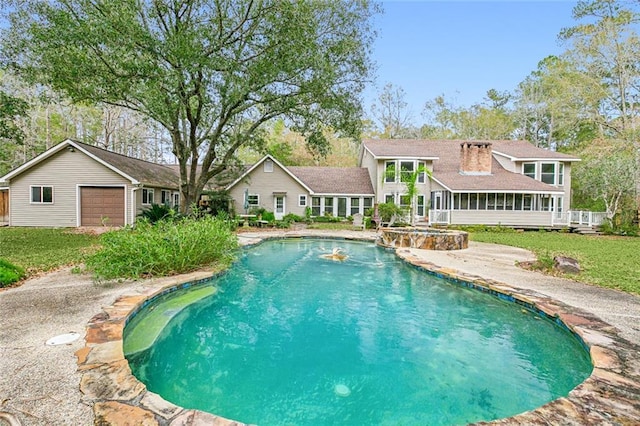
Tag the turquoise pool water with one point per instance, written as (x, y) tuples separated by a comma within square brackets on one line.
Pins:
[(293, 338)]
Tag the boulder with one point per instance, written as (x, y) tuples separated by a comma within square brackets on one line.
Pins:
[(566, 265)]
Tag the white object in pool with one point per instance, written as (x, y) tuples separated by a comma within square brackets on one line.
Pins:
[(342, 390), (63, 339)]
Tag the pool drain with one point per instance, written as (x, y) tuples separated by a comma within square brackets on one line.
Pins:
[(342, 390)]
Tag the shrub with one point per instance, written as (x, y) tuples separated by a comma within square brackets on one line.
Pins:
[(157, 212), (290, 217), (163, 248), (9, 273), (388, 210)]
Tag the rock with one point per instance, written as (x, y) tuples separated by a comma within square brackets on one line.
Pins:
[(566, 265)]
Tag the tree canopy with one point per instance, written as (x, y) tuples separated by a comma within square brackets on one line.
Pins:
[(212, 73)]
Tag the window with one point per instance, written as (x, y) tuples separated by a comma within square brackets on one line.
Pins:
[(368, 203), (302, 200), (548, 173), (473, 201), (253, 200), (355, 206), (527, 202), (482, 201), (328, 205), (508, 202), (406, 170), (176, 199), (389, 198), (464, 201), (42, 194), (315, 206), (561, 174), (165, 197), (420, 205), (390, 171), (518, 202), (529, 169), (422, 175), (147, 196), (405, 202), (491, 201), (499, 201), (268, 166)]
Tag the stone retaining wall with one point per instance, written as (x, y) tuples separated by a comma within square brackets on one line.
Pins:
[(431, 239)]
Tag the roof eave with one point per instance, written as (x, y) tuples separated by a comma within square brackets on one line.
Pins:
[(512, 158)]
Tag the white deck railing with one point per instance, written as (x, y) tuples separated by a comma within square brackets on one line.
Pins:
[(580, 218), (440, 217), (586, 218)]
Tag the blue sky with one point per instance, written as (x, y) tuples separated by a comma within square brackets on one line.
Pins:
[(463, 48)]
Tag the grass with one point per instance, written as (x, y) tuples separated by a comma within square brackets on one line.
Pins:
[(606, 261), (41, 250), (611, 262)]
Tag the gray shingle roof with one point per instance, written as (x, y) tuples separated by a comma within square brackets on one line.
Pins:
[(335, 180), (446, 168), (148, 173)]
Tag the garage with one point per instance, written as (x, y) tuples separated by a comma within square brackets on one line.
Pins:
[(101, 206)]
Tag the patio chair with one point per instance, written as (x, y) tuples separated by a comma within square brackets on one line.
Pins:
[(358, 221)]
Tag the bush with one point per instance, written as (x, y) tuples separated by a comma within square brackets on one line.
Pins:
[(9, 273), (163, 248), (388, 210), (157, 212), (290, 217)]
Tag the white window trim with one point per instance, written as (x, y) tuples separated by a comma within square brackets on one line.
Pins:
[(257, 203), (395, 171), (149, 191), (41, 194), (302, 203)]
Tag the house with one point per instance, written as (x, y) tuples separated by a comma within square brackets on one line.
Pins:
[(509, 183), (74, 184), (335, 191)]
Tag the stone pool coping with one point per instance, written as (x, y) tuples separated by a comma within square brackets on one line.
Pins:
[(611, 395)]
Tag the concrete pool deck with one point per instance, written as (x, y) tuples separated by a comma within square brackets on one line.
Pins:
[(47, 385)]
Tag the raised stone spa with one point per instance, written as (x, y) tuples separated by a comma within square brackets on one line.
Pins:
[(427, 239)]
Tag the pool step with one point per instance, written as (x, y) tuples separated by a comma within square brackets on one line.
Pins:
[(143, 331)]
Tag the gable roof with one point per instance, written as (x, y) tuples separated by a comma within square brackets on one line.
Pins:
[(446, 166), (335, 180), (135, 170), (262, 160)]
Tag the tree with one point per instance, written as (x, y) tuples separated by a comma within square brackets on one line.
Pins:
[(489, 120), (392, 113), (607, 174), (211, 73)]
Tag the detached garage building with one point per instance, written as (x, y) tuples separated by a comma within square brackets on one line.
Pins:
[(74, 184)]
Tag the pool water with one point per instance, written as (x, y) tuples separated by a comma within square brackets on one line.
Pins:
[(293, 338)]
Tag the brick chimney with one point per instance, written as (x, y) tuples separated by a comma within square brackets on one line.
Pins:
[(475, 158)]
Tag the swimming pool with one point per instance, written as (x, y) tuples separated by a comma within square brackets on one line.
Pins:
[(292, 337)]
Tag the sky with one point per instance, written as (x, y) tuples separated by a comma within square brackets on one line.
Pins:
[(463, 48)]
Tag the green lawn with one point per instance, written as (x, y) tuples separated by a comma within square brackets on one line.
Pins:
[(606, 261), (612, 262), (37, 250)]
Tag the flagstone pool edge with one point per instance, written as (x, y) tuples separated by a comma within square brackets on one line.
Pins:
[(610, 395)]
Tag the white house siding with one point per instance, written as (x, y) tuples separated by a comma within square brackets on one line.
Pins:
[(265, 184), (383, 188), (500, 217), (64, 171), (371, 164)]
